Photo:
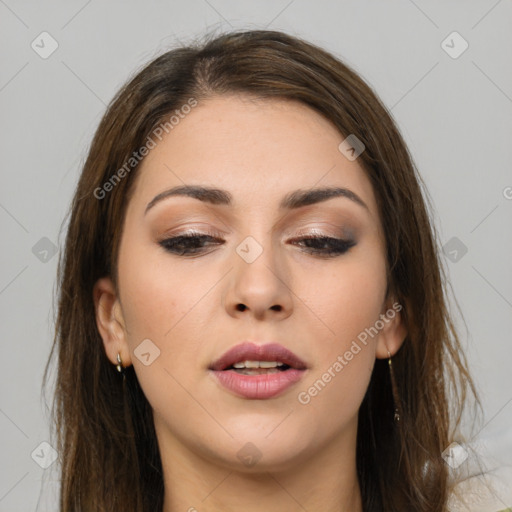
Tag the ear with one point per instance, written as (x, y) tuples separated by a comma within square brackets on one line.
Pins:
[(110, 322), (393, 334)]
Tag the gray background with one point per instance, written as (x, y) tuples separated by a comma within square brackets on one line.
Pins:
[(455, 114)]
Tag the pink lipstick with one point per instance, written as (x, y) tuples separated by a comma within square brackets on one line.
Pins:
[(258, 371)]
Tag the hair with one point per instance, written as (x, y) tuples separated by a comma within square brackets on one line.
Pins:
[(106, 440)]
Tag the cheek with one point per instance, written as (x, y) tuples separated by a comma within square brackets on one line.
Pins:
[(349, 298), (162, 304), (346, 354)]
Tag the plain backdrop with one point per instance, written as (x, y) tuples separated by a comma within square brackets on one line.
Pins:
[(452, 103)]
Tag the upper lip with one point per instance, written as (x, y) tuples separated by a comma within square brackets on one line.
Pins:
[(248, 351)]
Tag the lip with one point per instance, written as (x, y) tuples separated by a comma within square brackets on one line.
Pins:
[(261, 386), (248, 351)]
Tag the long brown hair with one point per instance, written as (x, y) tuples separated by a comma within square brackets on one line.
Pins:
[(105, 435)]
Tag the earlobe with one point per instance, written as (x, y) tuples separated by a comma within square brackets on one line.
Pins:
[(110, 322), (393, 332)]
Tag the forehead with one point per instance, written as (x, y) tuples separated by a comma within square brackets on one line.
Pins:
[(259, 150)]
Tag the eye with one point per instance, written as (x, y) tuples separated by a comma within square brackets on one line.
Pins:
[(325, 245), (195, 243), (191, 243)]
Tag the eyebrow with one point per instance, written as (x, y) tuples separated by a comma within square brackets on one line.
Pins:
[(292, 201)]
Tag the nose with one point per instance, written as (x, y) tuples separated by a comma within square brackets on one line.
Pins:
[(260, 286)]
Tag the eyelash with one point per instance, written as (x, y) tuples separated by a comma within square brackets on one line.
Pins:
[(337, 246)]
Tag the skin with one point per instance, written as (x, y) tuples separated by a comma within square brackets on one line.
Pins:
[(258, 150)]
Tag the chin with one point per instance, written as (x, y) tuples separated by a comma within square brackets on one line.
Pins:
[(253, 452)]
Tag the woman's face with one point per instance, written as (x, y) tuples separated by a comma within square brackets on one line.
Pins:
[(251, 276)]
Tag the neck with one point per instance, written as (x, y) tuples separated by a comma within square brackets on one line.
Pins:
[(325, 480)]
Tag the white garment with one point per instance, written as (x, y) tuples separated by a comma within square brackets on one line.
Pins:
[(490, 492)]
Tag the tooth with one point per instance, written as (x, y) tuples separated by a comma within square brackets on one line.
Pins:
[(268, 364), (256, 364), (248, 371)]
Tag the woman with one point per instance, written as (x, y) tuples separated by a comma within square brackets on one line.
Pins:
[(252, 312)]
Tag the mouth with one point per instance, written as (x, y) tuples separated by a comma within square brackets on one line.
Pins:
[(251, 359), (258, 371), (258, 367)]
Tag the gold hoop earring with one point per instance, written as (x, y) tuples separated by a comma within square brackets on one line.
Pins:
[(394, 389)]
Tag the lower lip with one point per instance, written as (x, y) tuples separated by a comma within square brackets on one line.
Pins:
[(261, 386)]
